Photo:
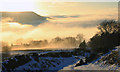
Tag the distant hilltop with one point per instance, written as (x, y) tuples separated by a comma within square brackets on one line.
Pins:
[(25, 17)]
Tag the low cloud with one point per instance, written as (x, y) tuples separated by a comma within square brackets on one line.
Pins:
[(11, 32), (85, 24), (62, 27), (66, 16)]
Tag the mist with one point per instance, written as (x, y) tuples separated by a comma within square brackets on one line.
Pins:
[(11, 32), (55, 43), (5, 47), (62, 27)]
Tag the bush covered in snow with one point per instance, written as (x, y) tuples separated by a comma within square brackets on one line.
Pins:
[(112, 58)]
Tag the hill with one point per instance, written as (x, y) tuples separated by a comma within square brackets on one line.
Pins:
[(25, 17)]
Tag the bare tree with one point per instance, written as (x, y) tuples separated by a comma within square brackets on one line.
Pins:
[(107, 26)]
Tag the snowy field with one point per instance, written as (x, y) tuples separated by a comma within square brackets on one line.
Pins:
[(95, 65), (49, 63), (66, 63)]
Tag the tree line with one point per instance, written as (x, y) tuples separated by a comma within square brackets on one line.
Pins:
[(106, 39), (57, 42)]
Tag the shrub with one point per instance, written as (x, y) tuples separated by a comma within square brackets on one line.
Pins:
[(107, 38)]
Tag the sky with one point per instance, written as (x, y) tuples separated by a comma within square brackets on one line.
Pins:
[(66, 18)]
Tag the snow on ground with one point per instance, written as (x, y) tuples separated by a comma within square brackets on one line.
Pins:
[(95, 65), (48, 63), (66, 63)]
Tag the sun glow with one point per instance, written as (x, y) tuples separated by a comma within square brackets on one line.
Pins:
[(22, 5), (14, 24), (15, 5)]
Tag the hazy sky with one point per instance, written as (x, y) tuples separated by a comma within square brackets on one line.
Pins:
[(68, 19), (75, 8)]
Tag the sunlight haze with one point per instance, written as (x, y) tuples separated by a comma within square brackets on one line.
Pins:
[(58, 19)]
